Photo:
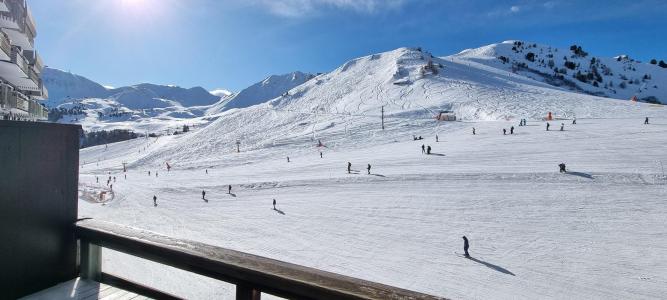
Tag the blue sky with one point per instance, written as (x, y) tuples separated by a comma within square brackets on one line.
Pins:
[(233, 43)]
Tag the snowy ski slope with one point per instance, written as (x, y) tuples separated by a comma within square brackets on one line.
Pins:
[(596, 232)]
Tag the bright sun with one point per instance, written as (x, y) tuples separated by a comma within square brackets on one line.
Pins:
[(133, 3)]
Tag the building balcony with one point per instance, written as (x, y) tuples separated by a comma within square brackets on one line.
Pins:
[(8, 22), (34, 60), (18, 38), (5, 44)]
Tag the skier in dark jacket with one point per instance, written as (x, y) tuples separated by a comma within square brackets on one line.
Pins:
[(473, 131), (504, 131), (428, 150), (349, 167), (561, 168), (562, 126), (274, 203), (203, 194), (369, 169), (423, 149), (512, 130), (646, 121), (548, 125), (229, 189), (154, 200), (466, 245)]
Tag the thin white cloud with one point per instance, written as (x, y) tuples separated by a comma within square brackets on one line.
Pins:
[(550, 4), (220, 92), (302, 8), (515, 9)]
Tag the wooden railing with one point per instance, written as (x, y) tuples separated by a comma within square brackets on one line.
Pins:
[(251, 274)]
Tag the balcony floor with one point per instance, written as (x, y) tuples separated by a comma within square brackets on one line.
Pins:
[(83, 289)]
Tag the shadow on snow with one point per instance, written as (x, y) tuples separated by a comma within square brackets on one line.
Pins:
[(492, 266)]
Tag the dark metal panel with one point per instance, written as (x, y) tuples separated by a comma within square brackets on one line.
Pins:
[(38, 205)]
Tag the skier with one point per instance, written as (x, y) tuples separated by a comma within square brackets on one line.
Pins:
[(125, 176), (436, 138), (548, 125), (428, 150), (97, 179), (466, 245), (274, 203), (574, 121), (288, 159), (369, 169), (562, 126), (155, 173), (154, 200), (423, 149), (114, 179), (349, 167), (320, 154), (111, 188), (473, 131), (229, 189), (206, 171), (149, 173), (561, 167), (646, 121), (512, 130), (203, 194), (504, 131)]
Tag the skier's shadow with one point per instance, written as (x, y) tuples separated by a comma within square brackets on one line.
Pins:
[(378, 175), (492, 266), (580, 174), (279, 211), (436, 154), (232, 194)]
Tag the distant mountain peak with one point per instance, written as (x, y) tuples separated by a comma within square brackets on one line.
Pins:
[(64, 86), (575, 69)]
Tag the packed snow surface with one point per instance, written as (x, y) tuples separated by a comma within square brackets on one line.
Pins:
[(596, 232)]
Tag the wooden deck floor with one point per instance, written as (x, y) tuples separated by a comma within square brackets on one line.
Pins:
[(83, 289)]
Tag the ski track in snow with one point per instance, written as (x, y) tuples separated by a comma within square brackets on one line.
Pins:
[(594, 233)]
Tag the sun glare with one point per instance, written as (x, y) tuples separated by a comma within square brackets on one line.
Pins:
[(137, 12)]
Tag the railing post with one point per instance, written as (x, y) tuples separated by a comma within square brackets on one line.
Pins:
[(245, 292), (91, 261)]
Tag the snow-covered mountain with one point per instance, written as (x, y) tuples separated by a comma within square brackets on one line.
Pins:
[(146, 95), (620, 77), (408, 85), (143, 107), (65, 86), (265, 90)]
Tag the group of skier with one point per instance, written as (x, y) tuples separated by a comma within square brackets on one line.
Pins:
[(349, 168), (426, 149)]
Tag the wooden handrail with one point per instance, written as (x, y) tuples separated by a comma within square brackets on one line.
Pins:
[(251, 273)]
